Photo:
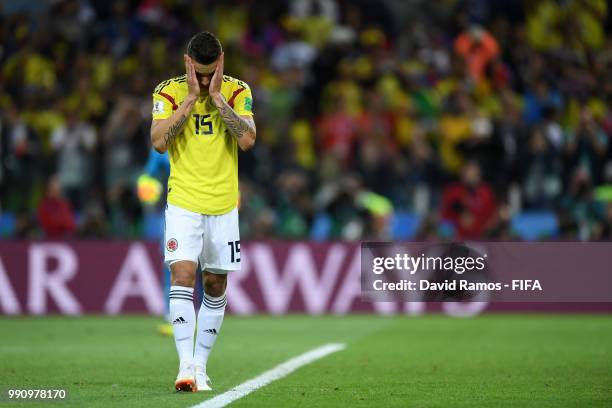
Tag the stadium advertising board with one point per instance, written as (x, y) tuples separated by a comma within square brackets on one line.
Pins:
[(112, 277)]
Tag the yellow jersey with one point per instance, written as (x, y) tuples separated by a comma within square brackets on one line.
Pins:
[(204, 156)]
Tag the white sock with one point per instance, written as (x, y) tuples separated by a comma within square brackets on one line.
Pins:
[(210, 318), (183, 319)]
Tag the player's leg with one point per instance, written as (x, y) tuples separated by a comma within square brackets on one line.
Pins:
[(210, 318), (183, 245), (183, 317), (221, 254)]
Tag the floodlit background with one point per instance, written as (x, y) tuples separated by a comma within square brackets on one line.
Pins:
[(376, 119)]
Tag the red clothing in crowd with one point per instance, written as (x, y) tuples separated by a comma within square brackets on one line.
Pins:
[(56, 217), (477, 53), (338, 134), (470, 210)]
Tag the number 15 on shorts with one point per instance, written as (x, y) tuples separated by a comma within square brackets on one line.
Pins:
[(235, 250)]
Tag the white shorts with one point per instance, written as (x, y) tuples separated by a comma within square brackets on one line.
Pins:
[(214, 240)]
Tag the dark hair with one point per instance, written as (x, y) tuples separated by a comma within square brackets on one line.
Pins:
[(204, 48)]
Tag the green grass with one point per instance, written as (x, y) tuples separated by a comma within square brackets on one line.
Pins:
[(433, 361)]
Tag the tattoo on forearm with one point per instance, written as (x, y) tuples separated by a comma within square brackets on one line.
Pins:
[(237, 125), (174, 130)]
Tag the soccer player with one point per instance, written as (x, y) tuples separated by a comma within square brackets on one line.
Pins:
[(201, 118), (149, 188)]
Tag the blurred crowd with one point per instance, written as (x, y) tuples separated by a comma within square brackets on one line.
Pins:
[(462, 114)]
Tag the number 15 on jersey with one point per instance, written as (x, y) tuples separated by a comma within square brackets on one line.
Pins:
[(203, 124)]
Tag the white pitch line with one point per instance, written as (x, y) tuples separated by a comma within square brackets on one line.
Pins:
[(276, 373)]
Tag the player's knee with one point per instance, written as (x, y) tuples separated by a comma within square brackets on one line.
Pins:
[(183, 279), (183, 274), (214, 284)]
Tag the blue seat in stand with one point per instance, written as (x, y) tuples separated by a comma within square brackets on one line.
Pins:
[(7, 224), (405, 225), (535, 225)]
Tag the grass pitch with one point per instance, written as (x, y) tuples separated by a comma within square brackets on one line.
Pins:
[(432, 361)]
